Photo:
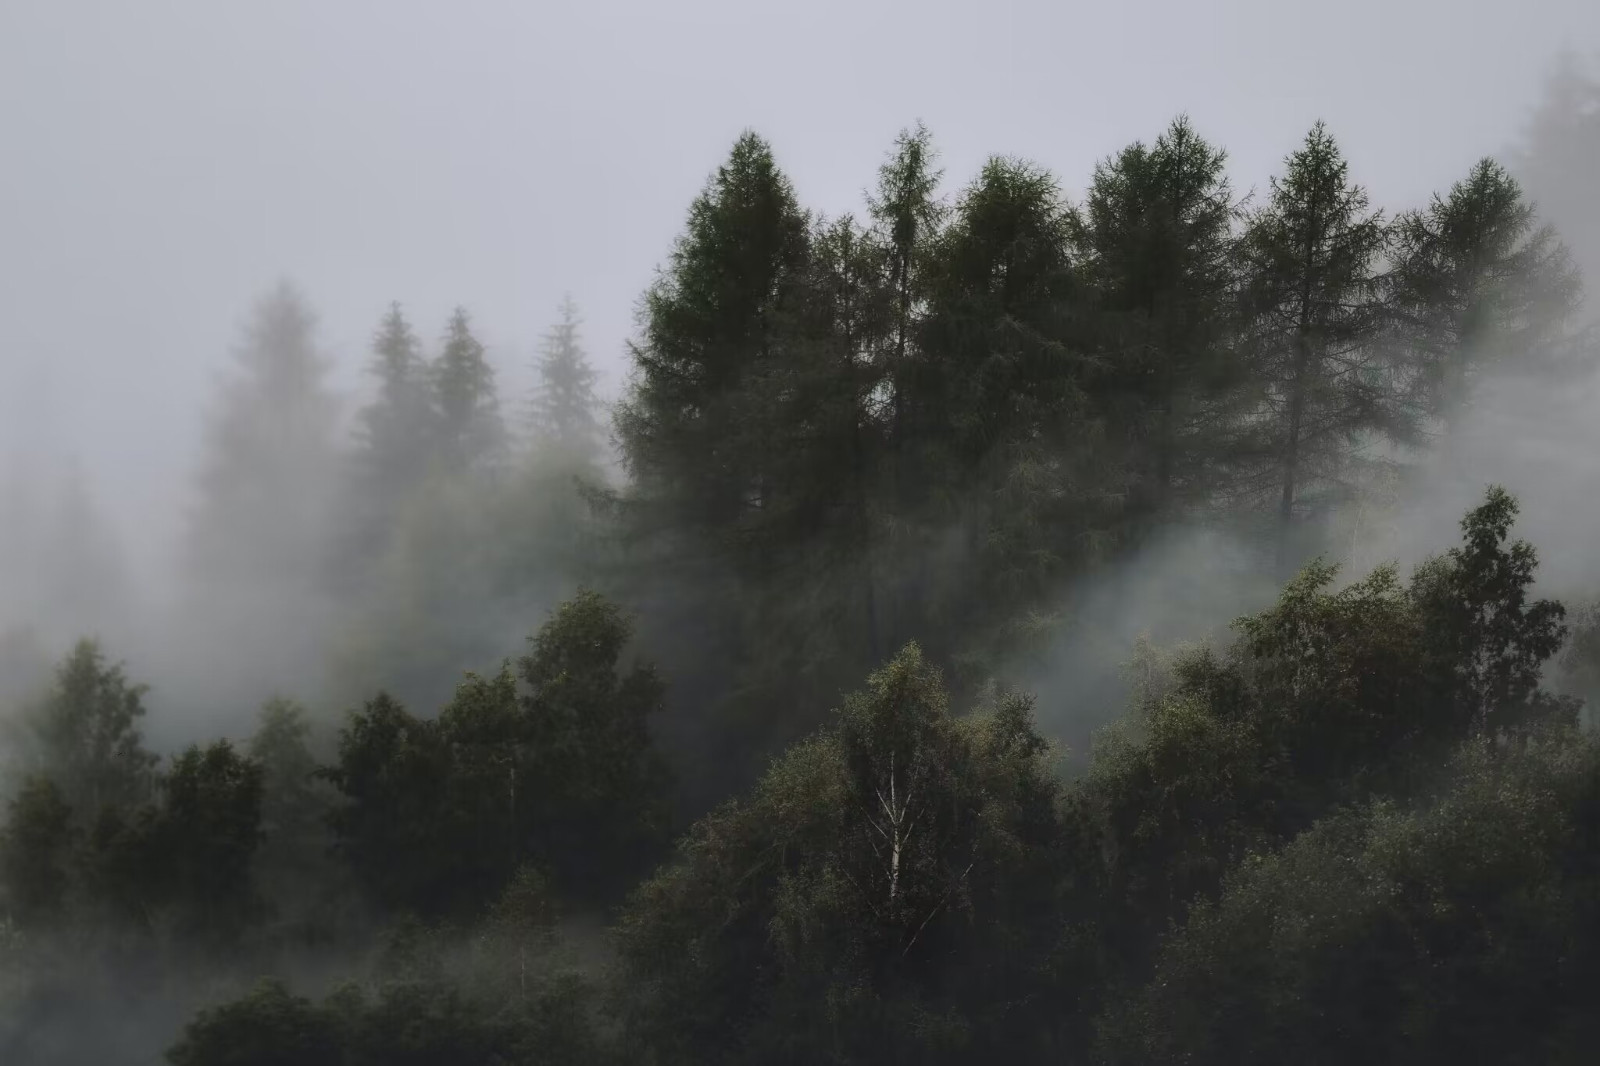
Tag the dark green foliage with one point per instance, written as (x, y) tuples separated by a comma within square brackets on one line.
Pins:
[(710, 321), (84, 734), (1328, 698), (37, 852), (1157, 239), (859, 906), (1478, 285), (438, 815), (1461, 931), (392, 772), (206, 837), (1311, 257), (269, 1027)]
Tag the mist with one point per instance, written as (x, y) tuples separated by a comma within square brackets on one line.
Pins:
[(340, 358)]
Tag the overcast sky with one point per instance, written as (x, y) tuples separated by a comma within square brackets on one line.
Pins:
[(163, 162)]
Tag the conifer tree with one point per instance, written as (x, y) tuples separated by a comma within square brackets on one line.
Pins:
[(397, 426), (709, 321), (564, 406), (1157, 242), (267, 476), (470, 431), (1478, 284), (1312, 292)]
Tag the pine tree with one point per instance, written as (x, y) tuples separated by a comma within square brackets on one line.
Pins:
[(565, 406), (1157, 243), (471, 434), (1312, 292), (1478, 285)]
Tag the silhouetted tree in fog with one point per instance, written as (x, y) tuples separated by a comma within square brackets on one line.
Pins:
[(1478, 286), (1311, 257)]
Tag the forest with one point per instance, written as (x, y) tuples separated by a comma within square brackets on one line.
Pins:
[(720, 724)]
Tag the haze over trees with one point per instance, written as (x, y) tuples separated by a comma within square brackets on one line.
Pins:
[(706, 749)]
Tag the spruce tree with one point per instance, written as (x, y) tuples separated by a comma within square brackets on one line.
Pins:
[(266, 478), (1312, 292), (564, 406), (470, 431), (397, 426), (1478, 285)]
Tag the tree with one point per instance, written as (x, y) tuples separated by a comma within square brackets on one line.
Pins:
[(858, 905), (470, 430), (392, 827), (1333, 697), (207, 833), (1008, 471), (396, 431), (37, 854), (1310, 258), (710, 319), (1459, 931), (1157, 244), (84, 735), (268, 1027), (1478, 285), (1558, 152), (265, 481), (598, 784), (565, 406)]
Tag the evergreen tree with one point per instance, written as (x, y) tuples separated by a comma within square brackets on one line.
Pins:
[(1559, 154), (1478, 285), (1310, 257), (1156, 238), (471, 434), (266, 479), (695, 454), (397, 427), (565, 406)]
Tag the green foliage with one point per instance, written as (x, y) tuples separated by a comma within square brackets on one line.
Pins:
[(1459, 931), (36, 855), (268, 1027), (1478, 285), (1157, 246), (207, 834), (1330, 697), (860, 900), (437, 815), (84, 734), (1312, 293)]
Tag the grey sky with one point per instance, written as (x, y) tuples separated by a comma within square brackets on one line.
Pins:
[(165, 161)]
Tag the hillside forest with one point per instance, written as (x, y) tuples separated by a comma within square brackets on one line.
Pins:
[(781, 709)]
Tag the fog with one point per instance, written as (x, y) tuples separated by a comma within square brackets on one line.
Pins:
[(172, 168), (166, 162)]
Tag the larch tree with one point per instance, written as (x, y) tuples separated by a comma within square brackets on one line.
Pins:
[(1311, 257), (1157, 245), (1478, 285)]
